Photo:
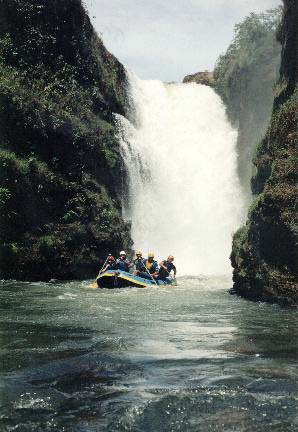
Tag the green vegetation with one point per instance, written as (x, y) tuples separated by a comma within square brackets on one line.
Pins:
[(253, 47), (265, 253), (59, 155), (244, 78)]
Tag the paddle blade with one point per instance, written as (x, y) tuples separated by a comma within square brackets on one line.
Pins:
[(94, 285)]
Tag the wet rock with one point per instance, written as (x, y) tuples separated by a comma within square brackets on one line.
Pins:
[(265, 254), (59, 154), (205, 78)]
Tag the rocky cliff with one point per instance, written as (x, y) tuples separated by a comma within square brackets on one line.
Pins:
[(265, 250), (244, 77), (205, 78), (60, 165)]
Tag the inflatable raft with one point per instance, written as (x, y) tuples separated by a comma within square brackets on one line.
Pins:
[(121, 279)]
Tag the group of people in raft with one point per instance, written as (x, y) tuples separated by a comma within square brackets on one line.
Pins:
[(146, 268)]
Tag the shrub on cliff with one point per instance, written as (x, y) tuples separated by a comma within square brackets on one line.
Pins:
[(59, 155), (253, 47), (244, 78)]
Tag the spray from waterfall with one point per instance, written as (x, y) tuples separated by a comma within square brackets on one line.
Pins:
[(184, 196)]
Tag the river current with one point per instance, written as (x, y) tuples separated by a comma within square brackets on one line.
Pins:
[(186, 358)]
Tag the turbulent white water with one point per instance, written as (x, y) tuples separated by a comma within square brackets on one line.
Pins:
[(184, 195)]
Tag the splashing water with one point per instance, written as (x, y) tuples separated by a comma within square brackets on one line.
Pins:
[(184, 194)]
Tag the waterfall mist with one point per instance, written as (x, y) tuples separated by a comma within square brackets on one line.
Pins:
[(184, 196)]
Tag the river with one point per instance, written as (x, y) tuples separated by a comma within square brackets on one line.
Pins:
[(186, 358)]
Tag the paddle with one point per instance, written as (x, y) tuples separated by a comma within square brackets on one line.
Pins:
[(149, 273), (94, 285), (173, 278)]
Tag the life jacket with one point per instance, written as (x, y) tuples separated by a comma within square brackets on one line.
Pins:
[(139, 264), (152, 267), (122, 265), (169, 265), (109, 266)]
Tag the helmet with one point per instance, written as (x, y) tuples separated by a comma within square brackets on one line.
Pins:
[(122, 253), (138, 253), (150, 254), (111, 258), (170, 258)]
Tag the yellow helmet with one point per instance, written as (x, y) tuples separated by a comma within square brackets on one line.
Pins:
[(150, 254), (139, 253)]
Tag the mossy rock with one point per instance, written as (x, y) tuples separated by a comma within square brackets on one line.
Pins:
[(59, 152)]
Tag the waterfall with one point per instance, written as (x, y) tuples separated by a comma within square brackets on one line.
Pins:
[(184, 197)]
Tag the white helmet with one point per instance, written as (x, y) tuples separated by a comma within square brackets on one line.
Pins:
[(122, 253)]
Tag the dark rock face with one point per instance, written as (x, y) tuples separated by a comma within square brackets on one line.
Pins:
[(289, 39), (265, 252), (60, 165), (205, 78)]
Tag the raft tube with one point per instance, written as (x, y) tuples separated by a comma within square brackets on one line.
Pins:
[(120, 279)]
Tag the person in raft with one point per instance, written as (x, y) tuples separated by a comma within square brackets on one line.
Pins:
[(122, 263), (110, 265), (165, 268), (152, 267), (139, 264)]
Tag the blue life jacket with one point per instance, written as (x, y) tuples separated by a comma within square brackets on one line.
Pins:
[(153, 268), (139, 264), (109, 266), (122, 265)]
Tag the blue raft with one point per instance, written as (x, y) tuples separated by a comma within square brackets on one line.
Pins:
[(121, 279)]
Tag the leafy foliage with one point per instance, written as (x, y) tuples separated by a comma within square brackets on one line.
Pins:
[(253, 43), (59, 155), (265, 254), (244, 78)]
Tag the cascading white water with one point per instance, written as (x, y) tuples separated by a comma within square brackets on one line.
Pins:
[(184, 195)]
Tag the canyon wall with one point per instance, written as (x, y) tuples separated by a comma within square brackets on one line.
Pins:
[(265, 252), (61, 173)]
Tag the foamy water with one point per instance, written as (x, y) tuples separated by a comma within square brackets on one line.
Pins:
[(184, 194)]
